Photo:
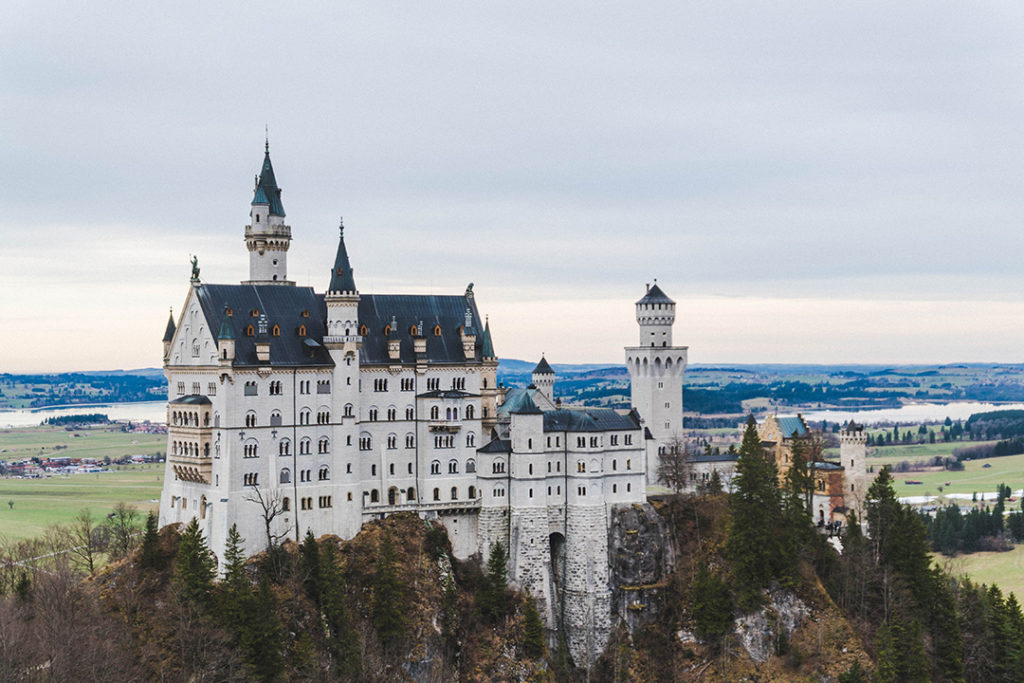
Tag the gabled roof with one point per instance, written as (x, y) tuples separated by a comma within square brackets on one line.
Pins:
[(543, 368), (284, 307), (267, 191), (655, 296), (586, 419), (496, 445), (789, 425), (443, 314), (342, 277), (169, 332), (486, 346), (525, 406)]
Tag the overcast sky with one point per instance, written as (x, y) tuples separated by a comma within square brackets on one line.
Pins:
[(811, 182)]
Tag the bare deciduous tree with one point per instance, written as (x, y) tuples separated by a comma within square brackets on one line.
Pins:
[(674, 464), (271, 504), (86, 540), (123, 524)]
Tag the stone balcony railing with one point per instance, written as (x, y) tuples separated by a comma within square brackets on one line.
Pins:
[(445, 425)]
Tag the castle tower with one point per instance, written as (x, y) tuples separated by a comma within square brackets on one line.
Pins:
[(544, 379), (488, 381), (656, 374), (853, 457), (343, 342), (267, 237)]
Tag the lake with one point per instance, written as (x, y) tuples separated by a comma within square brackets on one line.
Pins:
[(913, 413), (154, 411)]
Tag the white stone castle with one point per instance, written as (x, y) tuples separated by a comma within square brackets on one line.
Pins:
[(291, 411)]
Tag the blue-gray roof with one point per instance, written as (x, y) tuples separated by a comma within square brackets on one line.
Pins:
[(442, 318), (192, 400), (486, 345), (586, 419), (496, 445), (721, 457), (518, 401), (342, 277), (543, 368), (169, 332), (654, 295), (267, 191), (826, 466), (789, 425), (290, 308)]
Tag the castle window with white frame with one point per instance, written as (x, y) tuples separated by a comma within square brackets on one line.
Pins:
[(323, 445), (408, 384), (433, 383), (435, 412), (348, 410), (410, 440), (470, 439), (471, 466), (251, 479), (410, 413), (373, 414), (455, 493), (614, 439), (211, 389), (250, 419), (305, 445), (250, 450), (286, 476), (437, 494), (181, 388), (392, 441), (392, 414), (304, 415), (323, 386), (250, 389), (435, 467), (380, 385), (325, 501), (275, 418), (498, 467), (581, 442), (324, 474), (629, 439), (365, 442), (284, 447), (453, 466)]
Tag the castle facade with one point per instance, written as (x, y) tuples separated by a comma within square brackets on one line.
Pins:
[(291, 410)]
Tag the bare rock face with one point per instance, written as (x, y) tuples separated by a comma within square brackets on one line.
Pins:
[(641, 558), (762, 633)]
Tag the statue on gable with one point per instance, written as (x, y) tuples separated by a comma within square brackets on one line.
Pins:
[(195, 269)]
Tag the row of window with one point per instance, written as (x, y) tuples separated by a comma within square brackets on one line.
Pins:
[(598, 441), (211, 388), (189, 419), (453, 466), (323, 474), (276, 388), (191, 449)]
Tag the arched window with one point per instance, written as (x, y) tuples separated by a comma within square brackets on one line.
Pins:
[(286, 476), (392, 441), (324, 474), (305, 446), (373, 414), (455, 493), (250, 331), (374, 496), (409, 413), (435, 412), (286, 504), (410, 494), (284, 447), (363, 330), (324, 445), (302, 330), (437, 330), (437, 494), (348, 409), (470, 466), (453, 466), (471, 439), (472, 492), (435, 467), (392, 414), (469, 412)]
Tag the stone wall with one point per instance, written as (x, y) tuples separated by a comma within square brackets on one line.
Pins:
[(586, 599), (641, 558)]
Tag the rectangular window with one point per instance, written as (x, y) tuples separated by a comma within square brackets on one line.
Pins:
[(211, 389), (181, 388)]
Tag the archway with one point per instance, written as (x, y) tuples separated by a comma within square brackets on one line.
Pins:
[(556, 545)]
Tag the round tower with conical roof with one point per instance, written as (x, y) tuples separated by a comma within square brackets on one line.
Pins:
[(656, 376), (267, 237), (543, 378)]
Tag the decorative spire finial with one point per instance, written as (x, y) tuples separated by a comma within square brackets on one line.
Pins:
[(341, 226), (266, 139)]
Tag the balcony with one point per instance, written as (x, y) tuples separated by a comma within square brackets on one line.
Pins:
[(196, 469), (445, 425)]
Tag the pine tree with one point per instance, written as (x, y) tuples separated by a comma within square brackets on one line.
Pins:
[(195, 565), (151, 555), (712, 606), (533, 643), (235, 590), (342, 639), (262, 635), (715, 482), (309, 565), (492, 592), (752, 545), (388, 617)]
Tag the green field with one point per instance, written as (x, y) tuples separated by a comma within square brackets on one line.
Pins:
[(1005, 570), (975, 477), (94, 442), (39, 503)]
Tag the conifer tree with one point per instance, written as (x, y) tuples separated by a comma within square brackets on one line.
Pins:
[(712, 607), (533, 643), (235, 590), (753, 546), (492, 592), (151, 556), (262, 634), (195, 565), (388, 617), (309, 565), (342, 638), (715, 482)]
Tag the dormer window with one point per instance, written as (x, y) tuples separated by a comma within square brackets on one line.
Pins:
[(275, 331), (412, 331), (302, 330), (250, 331), (363, 330), (229, 312), (305, 313), (387, 329), (437, 330), (255, 312)]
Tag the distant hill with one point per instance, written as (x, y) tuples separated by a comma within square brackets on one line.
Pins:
[(139, 372)]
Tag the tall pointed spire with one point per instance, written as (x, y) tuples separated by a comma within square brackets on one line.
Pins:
[(267, 191), (342, 278), (169, 332), (486, 346)]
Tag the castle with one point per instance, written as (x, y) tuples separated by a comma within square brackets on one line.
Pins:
[(291, 410)]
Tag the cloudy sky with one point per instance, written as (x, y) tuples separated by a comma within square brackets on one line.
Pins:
[(811, 181)]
